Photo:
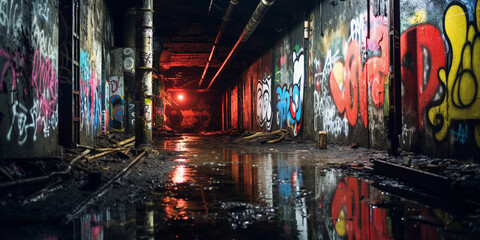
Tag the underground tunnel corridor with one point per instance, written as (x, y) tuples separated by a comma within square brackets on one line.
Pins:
[(220, 190), (236, 119)]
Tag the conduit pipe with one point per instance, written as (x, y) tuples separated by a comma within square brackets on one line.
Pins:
[(225, 20), (252, 24), (46, 177), (81, 206)]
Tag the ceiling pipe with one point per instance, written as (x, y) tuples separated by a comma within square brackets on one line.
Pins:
[(225, 20), (252, 24)]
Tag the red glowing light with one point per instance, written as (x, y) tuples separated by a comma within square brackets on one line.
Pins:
[(180, 97)]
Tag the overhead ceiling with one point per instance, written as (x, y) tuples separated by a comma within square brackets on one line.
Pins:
[(186, 31)]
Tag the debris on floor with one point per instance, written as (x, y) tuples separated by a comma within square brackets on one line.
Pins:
[(265, 137)]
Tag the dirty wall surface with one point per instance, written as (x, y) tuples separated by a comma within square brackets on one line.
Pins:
[(29, 80), (96, 38), (338, 80), (31, 64), (121, 105)]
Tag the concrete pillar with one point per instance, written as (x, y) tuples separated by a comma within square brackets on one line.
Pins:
[(143, 74)]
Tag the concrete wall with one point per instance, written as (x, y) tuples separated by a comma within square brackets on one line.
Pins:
[(256, 96), (337, 80), (31, 66), (96, 38), (28, 81), (121, 114)]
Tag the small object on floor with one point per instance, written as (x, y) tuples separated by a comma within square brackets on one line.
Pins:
[(322, 140)]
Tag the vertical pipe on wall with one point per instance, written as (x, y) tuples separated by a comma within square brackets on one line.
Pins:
[(143, 74), (395, 115)]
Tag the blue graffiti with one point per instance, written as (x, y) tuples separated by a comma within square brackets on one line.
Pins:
[(296, 113), (91, 110), (85, 66), (461, 135), (283, 103)]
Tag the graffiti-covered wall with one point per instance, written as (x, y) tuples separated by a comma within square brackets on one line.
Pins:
[(338, 79), (28, 81), (289, 81), (350, 66), (256, 96), (440, 76), (96, 38), (121, 114), (273, 87)]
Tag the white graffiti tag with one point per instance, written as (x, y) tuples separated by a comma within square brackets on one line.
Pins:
[(264, 108)]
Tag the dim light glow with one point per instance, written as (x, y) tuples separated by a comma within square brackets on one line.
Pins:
[(179, 175), (180, 97)]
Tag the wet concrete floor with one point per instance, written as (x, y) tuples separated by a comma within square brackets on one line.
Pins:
[(223, 191)]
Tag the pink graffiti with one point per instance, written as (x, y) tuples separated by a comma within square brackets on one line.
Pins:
[(10, 65), (45, 83), (423, 54)]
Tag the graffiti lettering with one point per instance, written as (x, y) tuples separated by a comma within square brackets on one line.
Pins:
[(324, 107), (407, 135), (44, 41), (89, 94), (264, 109), (116, 83), (44, 81), (290, 99), (349, 80), (43, 10), (461, 135), (460, 78), (131, 110), (283, 100), (422, 52), (11, 17), (42, 116), (9, 66), (146, 58)]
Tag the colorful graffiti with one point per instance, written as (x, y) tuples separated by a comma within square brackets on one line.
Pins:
[(264, 108), (45, 43), (116, 115), (117, 104), (11, 17), (324, 108), (460, 79), (38, 116), (349, 79), (423, 54), (89, 94), (290, 98), (352, 215)]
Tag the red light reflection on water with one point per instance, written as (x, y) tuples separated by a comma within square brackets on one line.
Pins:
[(178, 175), (175, 145)]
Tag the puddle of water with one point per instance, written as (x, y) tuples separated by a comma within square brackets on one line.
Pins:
[(225, 193), (230, 194)]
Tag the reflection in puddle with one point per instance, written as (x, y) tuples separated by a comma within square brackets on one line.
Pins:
[(270, 196), (178, 175)]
